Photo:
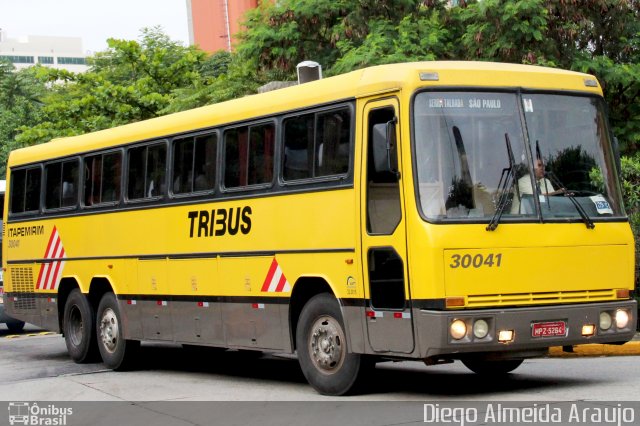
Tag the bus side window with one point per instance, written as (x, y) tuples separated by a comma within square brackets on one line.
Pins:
[(61, 183), (25, 190), (317, 145), (146, 171), (298, 147), (248, 153), (333, 136), (383, 188), (204, 162), (52, 176), (261, 148), (183, 153), (156, 170), (32, 198), (102, 178), (70, 175)]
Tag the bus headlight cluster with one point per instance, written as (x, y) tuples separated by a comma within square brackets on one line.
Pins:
[(620, 318), (605, 320), (458, 329), (469, 328), (480, 329)]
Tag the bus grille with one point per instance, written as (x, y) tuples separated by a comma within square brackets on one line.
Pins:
[(577, 296), (23, 288)]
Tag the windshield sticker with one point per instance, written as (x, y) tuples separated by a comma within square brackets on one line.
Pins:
[(528, 104), (602, 205)]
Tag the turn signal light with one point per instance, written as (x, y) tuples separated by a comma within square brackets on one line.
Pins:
[(454, 302), (622, 293)]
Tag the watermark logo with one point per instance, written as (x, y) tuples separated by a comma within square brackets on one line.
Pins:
[(32, 414)]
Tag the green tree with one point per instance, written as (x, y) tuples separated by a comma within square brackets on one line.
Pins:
[(507, 31), (223, 76), (130, 81), (418, 36), (20, 93)]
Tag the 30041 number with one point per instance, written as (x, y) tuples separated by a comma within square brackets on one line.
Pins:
[(476, 261)]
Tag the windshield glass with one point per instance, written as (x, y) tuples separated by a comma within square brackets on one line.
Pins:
[(570, 142), (467, 144)]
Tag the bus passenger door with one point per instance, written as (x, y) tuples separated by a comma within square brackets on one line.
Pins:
[(384, 248)]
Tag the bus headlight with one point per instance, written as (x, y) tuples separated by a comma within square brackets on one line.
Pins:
[(622, 318), (605, 320), (480, 329), (458, 329)]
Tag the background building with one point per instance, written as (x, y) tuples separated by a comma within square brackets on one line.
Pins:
[(54, 52), (213, 23)]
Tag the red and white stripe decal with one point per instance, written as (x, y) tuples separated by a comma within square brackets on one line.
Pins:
[(51, 272), (275, 282)]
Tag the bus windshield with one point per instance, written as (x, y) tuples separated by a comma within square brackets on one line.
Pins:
[(475, 155)]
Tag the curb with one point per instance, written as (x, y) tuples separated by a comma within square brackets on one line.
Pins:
[(593, 350), (17, 336)]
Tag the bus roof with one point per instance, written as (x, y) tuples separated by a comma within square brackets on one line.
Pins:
[(356, 84)]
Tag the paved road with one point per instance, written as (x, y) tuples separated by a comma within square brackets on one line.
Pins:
[(38, 368)]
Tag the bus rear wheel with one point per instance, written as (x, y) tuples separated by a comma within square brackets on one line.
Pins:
[(322, 347), (497, 367), (117, 352), (79, 328)]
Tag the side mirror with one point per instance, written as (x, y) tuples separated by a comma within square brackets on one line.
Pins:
[(385, 156)]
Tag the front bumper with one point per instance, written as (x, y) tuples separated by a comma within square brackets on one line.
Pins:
[(520, 321)]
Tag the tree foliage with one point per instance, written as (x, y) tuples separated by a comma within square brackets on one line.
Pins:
[(130, 81), (20, 105)]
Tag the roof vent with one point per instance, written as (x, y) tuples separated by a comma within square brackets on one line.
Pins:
[(309, 71)]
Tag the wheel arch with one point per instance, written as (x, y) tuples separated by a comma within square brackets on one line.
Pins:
[(98, 287), (66, 286), (303, 290)]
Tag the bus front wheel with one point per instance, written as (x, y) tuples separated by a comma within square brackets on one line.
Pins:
[(79, 328), (497, 367), (117, 352), (322, 347)]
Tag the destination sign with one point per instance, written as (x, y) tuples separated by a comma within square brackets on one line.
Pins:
[(471, 103)]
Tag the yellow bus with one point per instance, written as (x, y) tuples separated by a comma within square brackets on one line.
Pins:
[(435, 211)]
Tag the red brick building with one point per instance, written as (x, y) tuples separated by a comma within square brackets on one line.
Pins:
[(213, 23)]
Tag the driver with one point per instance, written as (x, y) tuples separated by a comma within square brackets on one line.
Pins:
[(545, 185)]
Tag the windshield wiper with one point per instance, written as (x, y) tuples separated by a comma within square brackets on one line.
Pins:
[(507, 179), (568, 194)]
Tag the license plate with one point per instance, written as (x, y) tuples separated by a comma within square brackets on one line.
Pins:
[(549, 329)]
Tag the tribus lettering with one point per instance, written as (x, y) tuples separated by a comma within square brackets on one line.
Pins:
[(220, 222)]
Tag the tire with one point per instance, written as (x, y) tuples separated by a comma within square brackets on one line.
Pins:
[(322, 347), (484, 367), (79, 328), (15, 326), (117, 352)]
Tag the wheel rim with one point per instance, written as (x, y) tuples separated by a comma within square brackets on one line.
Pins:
[(326, 345), (76, 325), (109, 330)]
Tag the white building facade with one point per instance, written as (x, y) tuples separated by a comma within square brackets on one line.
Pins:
[(54, 52)]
